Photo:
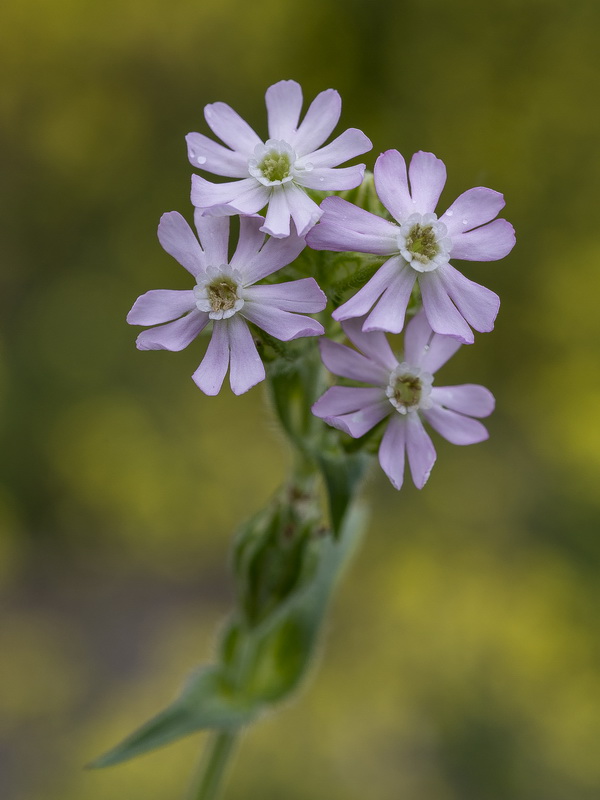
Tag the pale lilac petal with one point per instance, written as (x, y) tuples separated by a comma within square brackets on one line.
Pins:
[(427, 175), (304, 211), (177, 238), (284, 103), (231, 128), (252, 199), (245, 367), (320, 120), (346, 228), (420, 450), (160, 305), (213, 157), (281, 324), (206, 194), (388, 314), (348, 144), (214, 238), (442, 314), (173, 336), (326, 179), (347, 363), (374, 344), (391, 183), (275, 253), (339, 400), (454, 427), (359, 422), (469, 398), (277, 221), (472, 208), (250, 240), (303, 295), (211, 373), (360, 303), (489, 243), (478, 305), (392, 450), (424, 348)]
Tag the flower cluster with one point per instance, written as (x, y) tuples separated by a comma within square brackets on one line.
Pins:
[(243, 295)]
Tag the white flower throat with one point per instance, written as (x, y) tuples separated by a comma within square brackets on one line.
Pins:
[(424, 243), (275, 163), (219, 292), (409, 388)]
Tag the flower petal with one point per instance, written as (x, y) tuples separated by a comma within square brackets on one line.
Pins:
[(244, 192), (347, 363), (160, 305), (275, 253), (328, 179), (346, 228), (420, 450), (173, 336), (284, 103), (391, 183), (348, 144), (442, 314), (427, 176), (489, 243), (277, 221), (424, 348), (303, 295), (281, 324), (388, 314), (214, 238), (304, 211), (360, 303), (213, 157), (373, 344), (472, 208), (321, 118), (177, 238), (250, 240), (245, 366), (478, 305), (454, 427), (392, 449), (231, 128), (211, 373), (339, 400), (469, 398), (357, 423)]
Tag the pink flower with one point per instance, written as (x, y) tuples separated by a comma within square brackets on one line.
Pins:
[(420, 246), (226, 293), (404, 392), (275, 173)]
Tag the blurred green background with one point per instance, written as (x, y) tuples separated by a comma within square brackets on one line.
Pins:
[(462, 657)]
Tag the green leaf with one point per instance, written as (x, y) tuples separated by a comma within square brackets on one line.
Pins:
[(342, 474), (207, 701)]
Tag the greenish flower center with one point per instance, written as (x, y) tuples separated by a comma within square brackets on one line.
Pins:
[(422, 242), (222, 294), (407, 391), (275, 166)]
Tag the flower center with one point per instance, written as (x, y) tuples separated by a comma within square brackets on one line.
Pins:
[(273, 163), (219, 292), (222, 294), (409, 388), (275, 166), (424, 242)]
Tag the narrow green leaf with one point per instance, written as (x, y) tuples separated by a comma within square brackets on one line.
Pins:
[(342, 474)]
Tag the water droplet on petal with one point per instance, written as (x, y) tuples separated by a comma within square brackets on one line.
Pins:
[(321, 179), (449, 213), (464, 222)]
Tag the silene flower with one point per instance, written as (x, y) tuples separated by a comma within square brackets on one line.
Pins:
[(403, 392), (226, 293), (275, 173), (420, 245)]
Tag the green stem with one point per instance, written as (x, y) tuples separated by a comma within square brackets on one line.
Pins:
[(219, 751)]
